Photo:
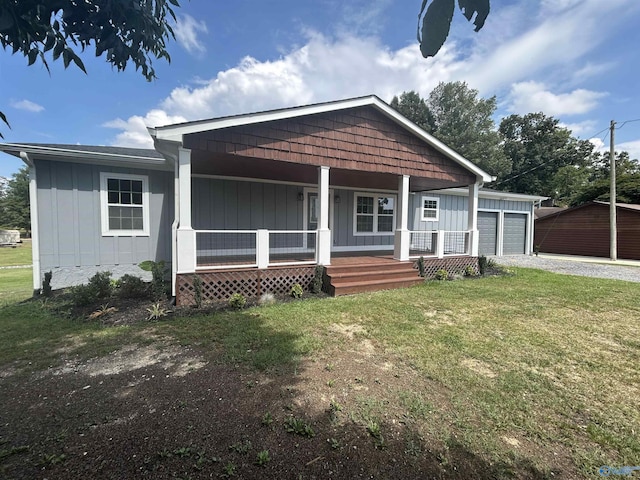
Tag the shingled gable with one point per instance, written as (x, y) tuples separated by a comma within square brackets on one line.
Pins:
[(361, 136)]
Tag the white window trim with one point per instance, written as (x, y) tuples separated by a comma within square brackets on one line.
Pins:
[(375, 196), (430, 219), (104, 205)]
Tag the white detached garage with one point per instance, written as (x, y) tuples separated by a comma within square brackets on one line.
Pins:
[(505, 220)]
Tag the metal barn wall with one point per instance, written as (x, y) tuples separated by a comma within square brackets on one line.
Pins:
[(585, 231), (69, 219)]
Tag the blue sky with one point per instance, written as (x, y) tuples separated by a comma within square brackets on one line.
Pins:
[(576, 60)]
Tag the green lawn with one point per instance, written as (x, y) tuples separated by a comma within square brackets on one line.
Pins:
[(19, 255), (541, 359)]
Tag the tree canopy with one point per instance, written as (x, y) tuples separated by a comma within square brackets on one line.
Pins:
[(14, 203), (412, 106), (124, 31), (464, 121), (542, 154)]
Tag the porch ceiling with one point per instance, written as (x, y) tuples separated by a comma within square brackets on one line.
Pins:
[(228, 165)]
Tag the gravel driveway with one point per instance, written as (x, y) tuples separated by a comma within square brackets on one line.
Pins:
[(573, 267)]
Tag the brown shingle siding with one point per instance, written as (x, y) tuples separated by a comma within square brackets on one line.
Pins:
[(359, 139)]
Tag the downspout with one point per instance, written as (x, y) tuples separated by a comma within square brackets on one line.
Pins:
[(173, 158), (174, 228), (35, 231), (532, 233)]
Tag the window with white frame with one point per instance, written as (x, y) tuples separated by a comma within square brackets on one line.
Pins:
[(124, 202), (374, 214), (430, 208)]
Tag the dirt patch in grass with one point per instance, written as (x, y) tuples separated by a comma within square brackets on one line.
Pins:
[(164, 411)]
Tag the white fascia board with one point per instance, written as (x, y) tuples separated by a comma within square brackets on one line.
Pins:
[(176, 132), (434, 142), (82, 156), (491, 194)]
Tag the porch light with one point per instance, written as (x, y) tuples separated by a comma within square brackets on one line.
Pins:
[(337, 199), (300, 197)]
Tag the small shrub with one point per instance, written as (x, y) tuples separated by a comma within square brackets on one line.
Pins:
[(482, 264), (101, 284), (159, 284), (267, 299), (469, 271), (130, 286), (421, 267), (296, 291), (442, 274), (46, 284), (316, 284), (197, 290), (82, 295), (536, 250), (237, 301), (157, 311)]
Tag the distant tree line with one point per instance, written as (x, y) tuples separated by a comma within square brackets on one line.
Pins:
[(14, 203), (530, 153)]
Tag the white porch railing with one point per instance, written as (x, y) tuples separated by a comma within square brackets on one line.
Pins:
[(438, 243), (217, 249)]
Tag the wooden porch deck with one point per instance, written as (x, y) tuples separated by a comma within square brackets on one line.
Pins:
[(349, 273)]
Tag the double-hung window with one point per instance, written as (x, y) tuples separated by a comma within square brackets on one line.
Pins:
[(430, 208), (374, 214), (124, 202)]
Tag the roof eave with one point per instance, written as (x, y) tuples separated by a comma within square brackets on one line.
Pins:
[(83, 156)]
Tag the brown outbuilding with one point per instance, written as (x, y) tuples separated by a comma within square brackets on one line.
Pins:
[(584, 230)]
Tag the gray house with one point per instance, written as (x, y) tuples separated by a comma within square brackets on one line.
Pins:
[(252, 203)]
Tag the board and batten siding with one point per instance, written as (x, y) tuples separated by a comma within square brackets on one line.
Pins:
[(234, 205), (453, 210), (69, 219)]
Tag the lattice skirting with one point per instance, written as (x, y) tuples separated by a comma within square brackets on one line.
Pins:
[(220, 285), (450, 264)]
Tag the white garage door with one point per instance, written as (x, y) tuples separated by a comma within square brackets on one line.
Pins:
[(488, 232), (515, 233)]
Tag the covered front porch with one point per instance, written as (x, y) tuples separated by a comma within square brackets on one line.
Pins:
[(286, 190)]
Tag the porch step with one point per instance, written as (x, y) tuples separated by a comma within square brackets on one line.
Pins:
[(366, 277)]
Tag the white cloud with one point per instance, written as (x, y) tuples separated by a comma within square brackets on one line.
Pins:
[(134, 129), (322, 70), (580, 129), (532, 96), (328, 68), (27, 105), (632, 147), (187, 29)]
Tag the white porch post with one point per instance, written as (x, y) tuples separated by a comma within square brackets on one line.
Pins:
[(402, 235), (472, 222), (185, 235), (262, 248), (323, 251)]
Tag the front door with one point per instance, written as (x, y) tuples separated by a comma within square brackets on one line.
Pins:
[(312, 215)]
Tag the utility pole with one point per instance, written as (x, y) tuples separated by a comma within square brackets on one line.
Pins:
[(613, 237)]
